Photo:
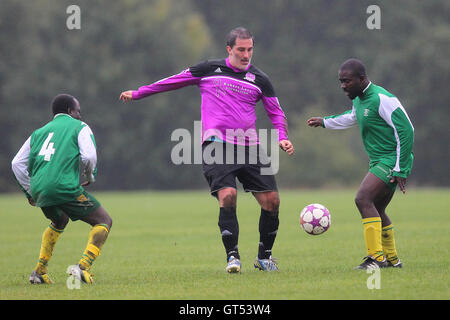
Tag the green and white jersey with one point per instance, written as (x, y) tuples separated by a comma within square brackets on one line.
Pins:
[(386, 130), (47, 167)]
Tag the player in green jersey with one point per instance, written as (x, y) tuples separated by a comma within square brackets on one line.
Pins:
[(47, 169), (388, 138)]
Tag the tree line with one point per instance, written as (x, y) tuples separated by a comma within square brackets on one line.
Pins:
[(124, 44)]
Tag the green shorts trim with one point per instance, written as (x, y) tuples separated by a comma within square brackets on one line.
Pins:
[(83, 206), (384, 172)]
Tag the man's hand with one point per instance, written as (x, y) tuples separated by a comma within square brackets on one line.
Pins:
[(85, 184), (126, 96), (31, 202), (315, 122), (401, 183), (287, 146), (89, 179)]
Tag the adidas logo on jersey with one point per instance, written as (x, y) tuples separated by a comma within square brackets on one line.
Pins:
[(218, 70)]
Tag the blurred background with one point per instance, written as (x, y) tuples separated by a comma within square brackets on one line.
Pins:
[(300, 44)]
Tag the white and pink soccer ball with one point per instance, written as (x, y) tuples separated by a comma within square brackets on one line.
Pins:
[(315, 219)]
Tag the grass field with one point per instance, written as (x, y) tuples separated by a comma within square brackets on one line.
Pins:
[(166, 246)]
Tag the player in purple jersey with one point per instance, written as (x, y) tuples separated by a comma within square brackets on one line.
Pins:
[(230, 89)]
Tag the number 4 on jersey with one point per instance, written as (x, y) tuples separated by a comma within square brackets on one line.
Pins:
[(47, 149)]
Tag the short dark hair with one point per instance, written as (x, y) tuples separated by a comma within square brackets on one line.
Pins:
[(240, 33), (62, 103), (355, 66)]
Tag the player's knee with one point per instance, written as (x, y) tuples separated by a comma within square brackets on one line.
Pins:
[(271, 203), (61, 223), (99, 216), (362, 201), (108, 221), (273, 206), (227, 198), (105, 218), (276, 204)]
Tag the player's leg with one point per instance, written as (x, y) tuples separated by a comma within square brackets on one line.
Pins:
[(50, 236), (229, 226), (268, 229), (268, 221), (101, 224), (264, 188), (221, 178), (381, 203), (387, 231), (86, 208), (370, 189)]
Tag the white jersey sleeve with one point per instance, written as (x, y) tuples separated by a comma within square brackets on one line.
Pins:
[(341, 121), (88, 153), (20, 167), (392, 111)]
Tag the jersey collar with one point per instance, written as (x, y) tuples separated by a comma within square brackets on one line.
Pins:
[(61, 114), (365, 91), (370, 82)]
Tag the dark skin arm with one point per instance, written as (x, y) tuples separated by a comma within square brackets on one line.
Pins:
[(85, 184), (315, 122), (31, 202), (401, 183)]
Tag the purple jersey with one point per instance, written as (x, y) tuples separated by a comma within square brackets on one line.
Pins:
[(229, 97)]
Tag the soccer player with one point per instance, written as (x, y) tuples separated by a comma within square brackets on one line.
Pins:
[(388, 137), (47, 168), (230, 89)]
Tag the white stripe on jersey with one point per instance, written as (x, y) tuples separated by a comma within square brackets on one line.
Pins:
[(387, 106), (231, 78)]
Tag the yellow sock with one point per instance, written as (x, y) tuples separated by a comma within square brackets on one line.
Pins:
[(49, 238), (388, 242), (97, 238), (372, 236)]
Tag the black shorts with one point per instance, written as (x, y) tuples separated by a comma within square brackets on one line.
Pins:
[(245, 163)]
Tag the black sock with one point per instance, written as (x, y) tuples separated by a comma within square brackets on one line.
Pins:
[(268, 227), (229, 229)]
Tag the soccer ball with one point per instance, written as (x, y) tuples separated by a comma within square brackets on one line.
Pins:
[(315, 219)]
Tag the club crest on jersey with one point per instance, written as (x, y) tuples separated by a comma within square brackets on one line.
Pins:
[(249, 77), (82, 198)]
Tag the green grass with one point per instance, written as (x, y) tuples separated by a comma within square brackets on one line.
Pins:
[(166, 245)]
